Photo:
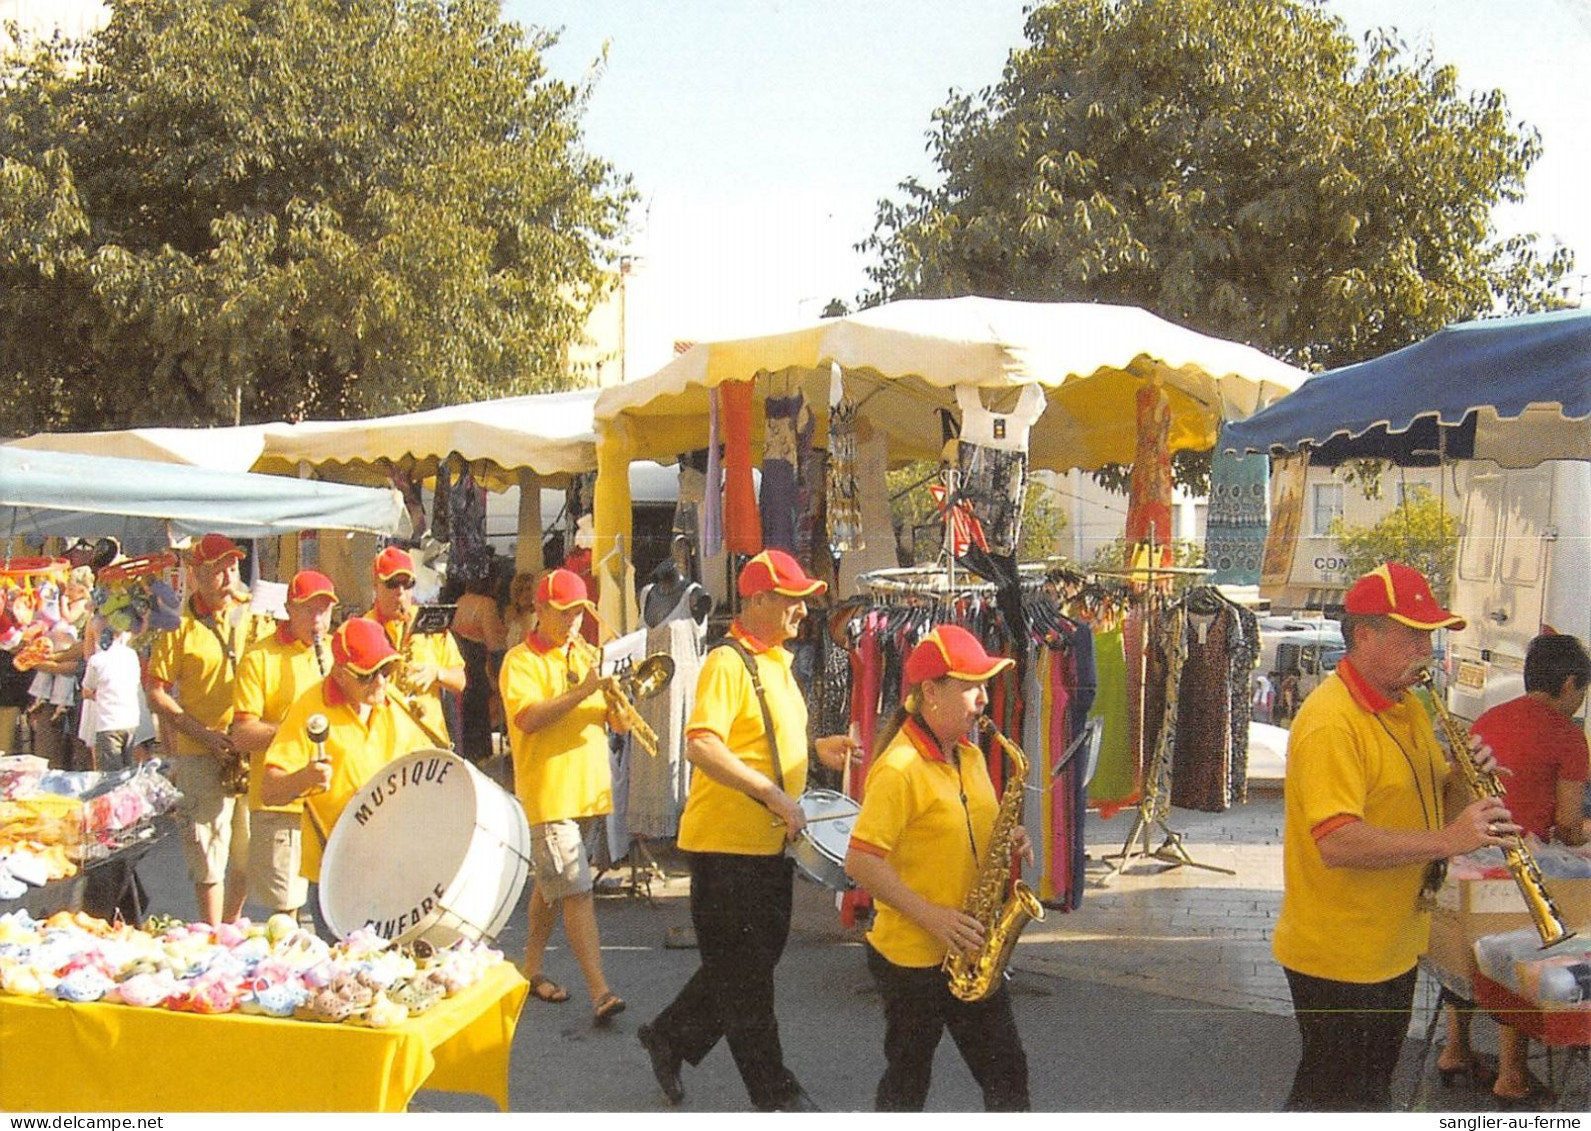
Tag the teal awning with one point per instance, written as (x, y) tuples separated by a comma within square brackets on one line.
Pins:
[(45, 493)]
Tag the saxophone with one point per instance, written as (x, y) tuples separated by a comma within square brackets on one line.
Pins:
[(974, 977), (1521, 864)]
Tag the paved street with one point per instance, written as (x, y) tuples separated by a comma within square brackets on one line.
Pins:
[(1158, 994)]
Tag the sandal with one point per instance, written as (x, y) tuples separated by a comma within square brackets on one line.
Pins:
[(608, 1006), (548, 990)]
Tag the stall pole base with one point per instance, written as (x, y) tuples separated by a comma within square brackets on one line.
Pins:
[(1171, 852), (644, 868)]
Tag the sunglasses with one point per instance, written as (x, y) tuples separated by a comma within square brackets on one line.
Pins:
[(383, 672), (399, 583)]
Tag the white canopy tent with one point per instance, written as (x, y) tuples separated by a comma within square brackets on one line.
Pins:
[(903, 360)]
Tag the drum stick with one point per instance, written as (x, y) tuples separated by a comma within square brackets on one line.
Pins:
[(317, 727), (831, 816)]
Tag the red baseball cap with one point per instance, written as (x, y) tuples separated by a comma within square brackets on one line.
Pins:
[(774, 571), (361, 646), (393, 562), (307, 584), (213, 548), (953, 651), (1402, 593), (563, 590)]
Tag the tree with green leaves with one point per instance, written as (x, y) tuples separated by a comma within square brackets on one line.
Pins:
[(305, 208), (1241, 169), (1420, 532)]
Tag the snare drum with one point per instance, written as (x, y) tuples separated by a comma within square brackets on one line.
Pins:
[(429, 848), (819, 851)]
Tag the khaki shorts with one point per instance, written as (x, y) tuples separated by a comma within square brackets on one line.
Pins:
[(215, 821), (558, 851), (275, 851)]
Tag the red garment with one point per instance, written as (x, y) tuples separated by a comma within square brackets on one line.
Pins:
[(1149, 498), (742, 519), (578, 562), (1542, 748)]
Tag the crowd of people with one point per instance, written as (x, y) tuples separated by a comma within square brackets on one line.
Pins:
[(272, 725)]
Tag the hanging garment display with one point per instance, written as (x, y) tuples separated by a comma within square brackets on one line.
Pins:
[(992, 461), (657, 786), (1235, 531), (872, 497), (787, 428), (846, 532), (468, 556), (1149, 496), (713, 489), (742, 522)]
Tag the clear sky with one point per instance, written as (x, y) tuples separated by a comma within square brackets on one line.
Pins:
[(761, 133)]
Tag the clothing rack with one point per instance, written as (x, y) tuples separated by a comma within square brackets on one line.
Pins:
[(1154, 802)]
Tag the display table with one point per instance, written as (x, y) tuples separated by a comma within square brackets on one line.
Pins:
[(1556, 1028), (117, 1058)]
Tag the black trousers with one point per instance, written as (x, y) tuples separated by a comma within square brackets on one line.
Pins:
[(1352, 1034), (740, 907), (918, 1008)]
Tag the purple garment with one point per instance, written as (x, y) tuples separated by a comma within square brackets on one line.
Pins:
[(781, 493), (713, 494)]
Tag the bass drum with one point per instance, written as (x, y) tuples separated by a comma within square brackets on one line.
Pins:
[(429, 848), (819, 851)]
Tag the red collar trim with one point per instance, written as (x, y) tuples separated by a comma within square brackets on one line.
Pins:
[(284, 634), (200, 608), (333, 694), (375, 615), (539, 644), (923, 739), (753, 645), (1363, 694)]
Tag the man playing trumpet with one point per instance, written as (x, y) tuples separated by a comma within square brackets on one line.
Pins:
[(428, 662), (272, 675), (558, 718), (189, 683)]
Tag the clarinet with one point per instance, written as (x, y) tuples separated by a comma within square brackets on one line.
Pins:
[(1521, 864)]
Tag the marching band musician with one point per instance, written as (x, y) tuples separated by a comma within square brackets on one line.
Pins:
[(273, 673), (430, 661), (918, 848), (1364, 840), (741, 880), (558, 720), (189, 683), (364, 731)]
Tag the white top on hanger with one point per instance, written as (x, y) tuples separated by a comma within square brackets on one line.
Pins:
[(1007, 431)]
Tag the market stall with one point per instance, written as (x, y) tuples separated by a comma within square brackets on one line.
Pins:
[(823, 409)]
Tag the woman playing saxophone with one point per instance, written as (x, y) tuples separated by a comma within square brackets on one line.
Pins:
[(930, 828)]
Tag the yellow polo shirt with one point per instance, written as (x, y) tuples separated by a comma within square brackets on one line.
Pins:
[(192, 663), (272, 675), (560, 771), (438, 649), (717, 817), (912, 816), (1353, 754), (357, 749)]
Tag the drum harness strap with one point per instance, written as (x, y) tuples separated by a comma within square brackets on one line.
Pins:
[(762, 701)]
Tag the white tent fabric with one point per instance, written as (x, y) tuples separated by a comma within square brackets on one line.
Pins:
[(222, 449)]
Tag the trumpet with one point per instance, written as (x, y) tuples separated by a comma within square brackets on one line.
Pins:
[(624, 689)]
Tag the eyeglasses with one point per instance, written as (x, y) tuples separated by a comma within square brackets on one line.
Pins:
[(399, 583), (383, 672)]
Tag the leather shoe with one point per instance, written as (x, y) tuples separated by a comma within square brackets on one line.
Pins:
[(665, 1063)]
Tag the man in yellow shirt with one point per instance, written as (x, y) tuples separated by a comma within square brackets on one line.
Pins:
[(431, 661), (919, 847), (273, 673), (558, 720), (1363, 841), (363, 733), (743, 788), (189, 683)]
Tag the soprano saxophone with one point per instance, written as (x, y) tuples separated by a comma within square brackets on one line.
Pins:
[(975, 976), (1521, 864)]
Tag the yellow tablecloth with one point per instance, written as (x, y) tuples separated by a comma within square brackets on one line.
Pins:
[(55, 1056)]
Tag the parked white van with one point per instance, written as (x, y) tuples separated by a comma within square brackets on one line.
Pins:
[(1296, 654)]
